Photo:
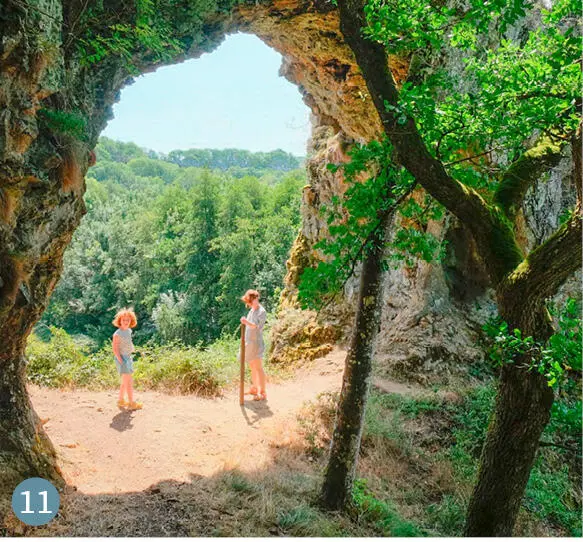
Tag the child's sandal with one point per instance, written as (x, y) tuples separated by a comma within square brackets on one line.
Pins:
[(122, 404), (135, 406)]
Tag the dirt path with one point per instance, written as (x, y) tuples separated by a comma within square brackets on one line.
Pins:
[(105, 450)]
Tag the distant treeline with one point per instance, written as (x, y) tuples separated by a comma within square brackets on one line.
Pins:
[(223, 159)]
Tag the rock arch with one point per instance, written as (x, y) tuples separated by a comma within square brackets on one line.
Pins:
[(53, 107)]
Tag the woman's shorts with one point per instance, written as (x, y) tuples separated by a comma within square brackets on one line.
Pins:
[(125, 368)]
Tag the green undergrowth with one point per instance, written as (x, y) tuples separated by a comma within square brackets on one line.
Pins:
[(420, 457), (63, 362)]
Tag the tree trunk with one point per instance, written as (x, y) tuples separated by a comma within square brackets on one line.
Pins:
[(339, 475), (523, 409)]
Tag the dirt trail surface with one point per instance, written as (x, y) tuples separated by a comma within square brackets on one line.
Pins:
[(105, 450)]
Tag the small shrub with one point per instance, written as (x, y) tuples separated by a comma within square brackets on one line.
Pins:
[(63, 122), (296, 517), (61, 362), (305, 521), (316, 421), (239, 483), (551, 496), (384, 420)]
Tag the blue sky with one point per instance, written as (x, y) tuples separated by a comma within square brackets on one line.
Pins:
[(230, 98)]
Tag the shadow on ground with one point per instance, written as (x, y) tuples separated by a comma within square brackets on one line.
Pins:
[(230, 503)]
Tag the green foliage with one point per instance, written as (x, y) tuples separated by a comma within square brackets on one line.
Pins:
[(127, 34), (62, 362), (381, 513), (228, 159), (561, 353), (447, 516), (203, 371), (431, 433), (514, 82), (179, 244), (550, 495), (471, 420), (63, 122), (354, 219), (424, 25), (300, 516)]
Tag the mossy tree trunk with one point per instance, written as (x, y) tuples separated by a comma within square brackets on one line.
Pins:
[(339, 476), (522, 284), (524, 399)]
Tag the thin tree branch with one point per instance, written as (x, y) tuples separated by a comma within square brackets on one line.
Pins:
[(489, 151), (562, 446)]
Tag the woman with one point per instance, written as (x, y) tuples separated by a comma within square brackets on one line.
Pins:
[(254, 346)]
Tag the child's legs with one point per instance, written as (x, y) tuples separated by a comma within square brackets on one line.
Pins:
[(254, 375), (261, 376), (129, 386), (122, 387)]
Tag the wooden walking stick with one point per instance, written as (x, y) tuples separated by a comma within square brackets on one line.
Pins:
[(242, 383)]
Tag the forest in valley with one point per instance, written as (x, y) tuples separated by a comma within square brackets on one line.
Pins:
[(420, 268), (180, 239)]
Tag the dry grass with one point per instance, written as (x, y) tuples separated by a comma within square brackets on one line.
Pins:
[(277, 499)]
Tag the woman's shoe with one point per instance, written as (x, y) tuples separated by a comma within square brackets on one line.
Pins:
[(251, 391), (260, 397)]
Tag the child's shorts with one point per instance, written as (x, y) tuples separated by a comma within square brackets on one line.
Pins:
[(125, 368)]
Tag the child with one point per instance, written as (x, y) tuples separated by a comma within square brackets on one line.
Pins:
[(123, 347), (254, 346)]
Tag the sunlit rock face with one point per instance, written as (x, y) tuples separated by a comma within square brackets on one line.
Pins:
[(431, 326)]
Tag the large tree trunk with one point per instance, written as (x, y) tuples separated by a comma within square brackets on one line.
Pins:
[(523, 409), (339, 476)]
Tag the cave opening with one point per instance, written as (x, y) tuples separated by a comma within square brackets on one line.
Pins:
[(44, 164), (231, 101)]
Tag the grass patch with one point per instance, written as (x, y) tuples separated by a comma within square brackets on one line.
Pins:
[(420, 458), (382, 514), (447, 516)]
